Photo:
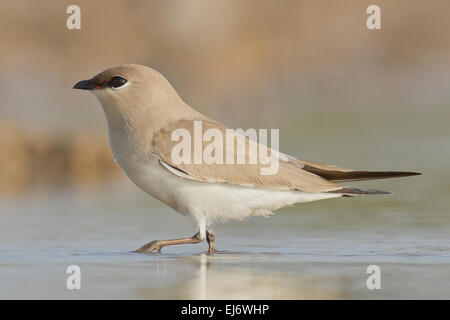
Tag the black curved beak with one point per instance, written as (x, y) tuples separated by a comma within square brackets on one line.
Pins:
[(85, 85)]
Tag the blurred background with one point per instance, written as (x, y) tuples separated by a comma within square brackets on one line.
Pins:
[(338, 92)]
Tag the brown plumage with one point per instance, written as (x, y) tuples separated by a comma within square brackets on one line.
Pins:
[(293, 174)]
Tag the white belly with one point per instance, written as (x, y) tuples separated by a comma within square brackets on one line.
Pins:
[(207, 202)]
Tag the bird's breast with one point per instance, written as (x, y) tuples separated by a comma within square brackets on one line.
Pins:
[(143, 168)]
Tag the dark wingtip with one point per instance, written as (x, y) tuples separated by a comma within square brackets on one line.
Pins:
[(405, 173), (341, 175)]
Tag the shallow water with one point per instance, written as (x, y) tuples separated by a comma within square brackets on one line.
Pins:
[(312, 254), (314, 250)]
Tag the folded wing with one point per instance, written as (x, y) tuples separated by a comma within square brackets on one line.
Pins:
[(293, 174), (289, 176)]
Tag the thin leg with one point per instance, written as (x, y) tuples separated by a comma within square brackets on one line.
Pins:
[(211, 240), (159, 244)]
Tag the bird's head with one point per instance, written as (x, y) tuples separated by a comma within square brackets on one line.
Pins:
[(132, 91)]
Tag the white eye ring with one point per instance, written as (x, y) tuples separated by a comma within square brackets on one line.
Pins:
[(126, 84), (122, 86)]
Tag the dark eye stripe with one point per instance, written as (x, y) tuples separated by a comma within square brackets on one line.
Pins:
[(117, 82)]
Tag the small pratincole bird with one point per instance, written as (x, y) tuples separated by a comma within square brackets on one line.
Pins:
[(145, 116)]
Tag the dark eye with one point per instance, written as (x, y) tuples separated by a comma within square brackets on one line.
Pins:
[(117, 82)]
